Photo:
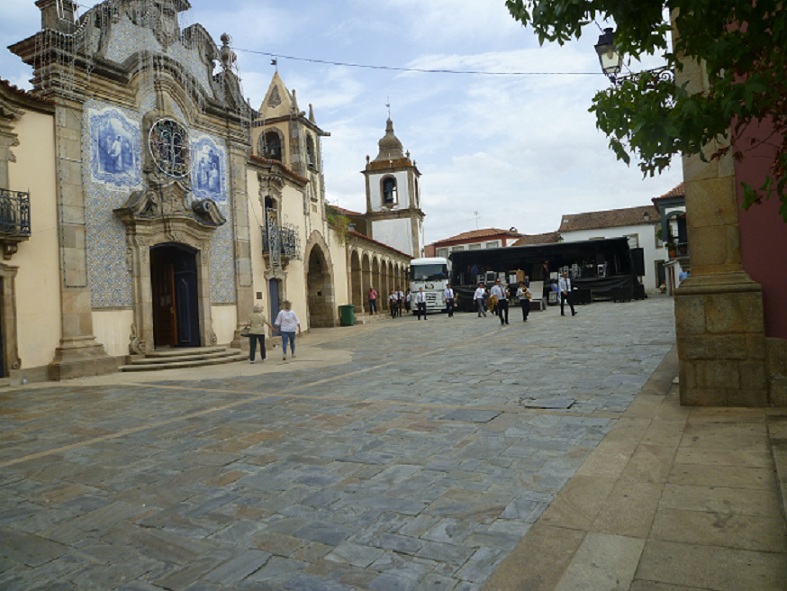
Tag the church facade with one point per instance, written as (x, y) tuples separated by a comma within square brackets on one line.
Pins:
[(149, 206)]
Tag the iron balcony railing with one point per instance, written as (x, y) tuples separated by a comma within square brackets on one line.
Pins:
[(14, 213), (287, 239)]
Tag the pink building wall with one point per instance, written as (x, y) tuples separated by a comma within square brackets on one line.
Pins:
[(763, 235)]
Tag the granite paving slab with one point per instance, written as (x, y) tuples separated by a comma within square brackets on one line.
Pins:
[(346, 468)]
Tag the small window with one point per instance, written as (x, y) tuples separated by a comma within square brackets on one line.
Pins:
[(390, 193), (455, 248), (475, 246), (494, 244), (442, 252)]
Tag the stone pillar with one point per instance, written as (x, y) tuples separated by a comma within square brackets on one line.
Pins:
[(244, 287), (719, 317), (79, 354)]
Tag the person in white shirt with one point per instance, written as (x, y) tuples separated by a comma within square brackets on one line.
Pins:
[(287, 321), (524, 295), (399, 302), (501, 293), (393, 303), (420, 303), (448, 295), (478, 296), (564, 287)]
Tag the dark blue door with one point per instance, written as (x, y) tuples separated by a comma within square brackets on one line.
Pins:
[(273, 298)]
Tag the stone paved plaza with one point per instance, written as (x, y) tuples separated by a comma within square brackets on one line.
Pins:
[(397, 455)]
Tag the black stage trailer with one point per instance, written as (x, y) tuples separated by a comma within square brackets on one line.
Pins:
[(605, 269)]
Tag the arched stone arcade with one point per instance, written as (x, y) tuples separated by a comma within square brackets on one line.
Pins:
[(374, 265), (320, 298)]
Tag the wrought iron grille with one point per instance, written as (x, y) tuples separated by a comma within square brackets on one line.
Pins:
[(14, 213), (168, 143), (280, 241)]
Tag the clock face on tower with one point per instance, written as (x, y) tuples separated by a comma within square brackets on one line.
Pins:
[(168, 142)]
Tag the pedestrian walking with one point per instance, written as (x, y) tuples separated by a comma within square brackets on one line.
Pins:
[(524, 295), (564, 287), (479, 297), (393, 302), (408, 301), (373, 300), (448, 295), (256, 332), (399, 302), (420, 303), (500, 292), (287, 322)]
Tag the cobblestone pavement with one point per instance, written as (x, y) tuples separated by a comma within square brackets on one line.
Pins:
[(399, 455)]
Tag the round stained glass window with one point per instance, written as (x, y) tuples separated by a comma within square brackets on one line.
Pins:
[(168, 143)]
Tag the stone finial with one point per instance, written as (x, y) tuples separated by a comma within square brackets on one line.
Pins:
[(228, 57), (294, 101)]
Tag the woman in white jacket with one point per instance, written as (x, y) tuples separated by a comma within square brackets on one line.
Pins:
[(287, 322)]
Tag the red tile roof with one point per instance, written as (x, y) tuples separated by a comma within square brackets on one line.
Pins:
[(630, 216), (475, 235), (27, 97), (546, 238), (674, 192), (363, 237), (346, 212)]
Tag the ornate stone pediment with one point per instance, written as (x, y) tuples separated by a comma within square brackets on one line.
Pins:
[(169, 202)]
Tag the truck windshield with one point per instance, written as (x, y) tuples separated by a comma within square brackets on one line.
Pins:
[(434, 272)]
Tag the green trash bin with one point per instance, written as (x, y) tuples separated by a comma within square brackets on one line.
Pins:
[(347, 315)]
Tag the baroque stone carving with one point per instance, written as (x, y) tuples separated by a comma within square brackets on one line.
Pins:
[(160, 16), (207, 210), (136, 346)]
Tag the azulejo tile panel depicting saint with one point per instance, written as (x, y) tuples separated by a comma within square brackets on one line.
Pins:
[(208, 171), (114, 149)]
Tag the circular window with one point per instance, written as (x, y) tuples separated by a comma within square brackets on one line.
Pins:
[(168, 143)]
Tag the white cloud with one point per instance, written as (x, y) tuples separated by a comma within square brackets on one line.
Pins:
[(519, 150)]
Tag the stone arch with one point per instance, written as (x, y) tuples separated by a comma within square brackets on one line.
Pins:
[(270, 144), (320, 295), (153, 219)]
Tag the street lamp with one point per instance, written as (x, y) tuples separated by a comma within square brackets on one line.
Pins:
[(612, 62), (608, 56)]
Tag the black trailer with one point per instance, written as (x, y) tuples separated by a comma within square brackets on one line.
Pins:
[(605, 269)]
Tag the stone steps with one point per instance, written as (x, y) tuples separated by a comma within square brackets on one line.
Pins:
[(180, 358)]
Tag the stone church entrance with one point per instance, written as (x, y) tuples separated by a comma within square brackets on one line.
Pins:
[(173, 276)]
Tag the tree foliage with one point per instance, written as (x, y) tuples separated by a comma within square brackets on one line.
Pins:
[(741, 44)]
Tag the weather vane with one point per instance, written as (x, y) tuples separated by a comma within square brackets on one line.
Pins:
[(388, 106)]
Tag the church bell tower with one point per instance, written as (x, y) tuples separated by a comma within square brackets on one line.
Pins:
[(393, 201)]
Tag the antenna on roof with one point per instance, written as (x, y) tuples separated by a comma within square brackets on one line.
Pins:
[(477, 217)]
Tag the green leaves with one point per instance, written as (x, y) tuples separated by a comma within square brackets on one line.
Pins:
[(742, 46)]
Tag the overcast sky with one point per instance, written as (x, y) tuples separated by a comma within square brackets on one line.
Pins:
[(494, 150)]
